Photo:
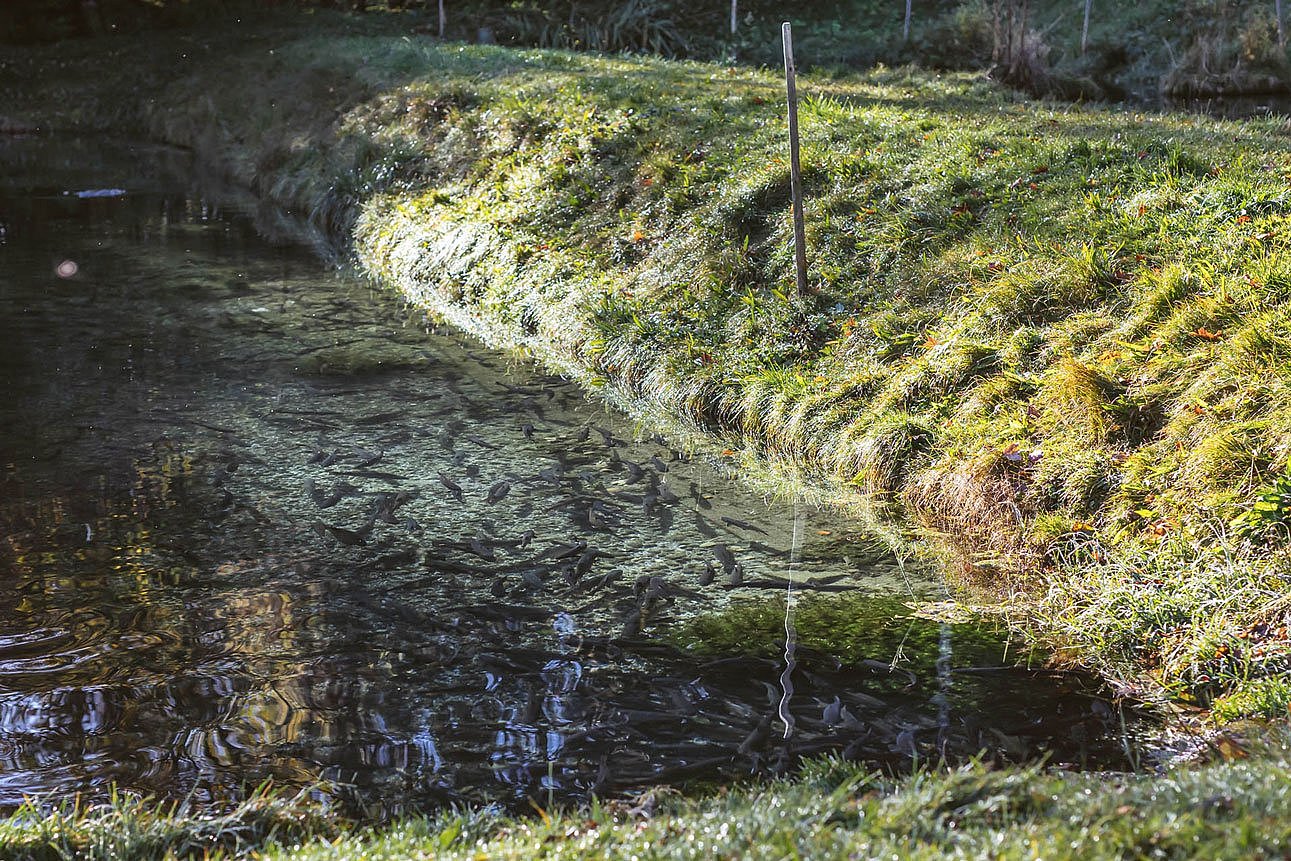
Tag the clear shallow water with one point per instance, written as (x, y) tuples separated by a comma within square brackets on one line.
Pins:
[(227, 552)]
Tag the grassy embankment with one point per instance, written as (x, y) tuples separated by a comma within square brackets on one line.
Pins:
[(832, 811), (1056, 335)]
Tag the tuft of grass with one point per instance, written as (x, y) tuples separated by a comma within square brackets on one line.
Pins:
[(131, 827)]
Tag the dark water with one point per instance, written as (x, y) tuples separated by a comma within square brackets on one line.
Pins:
[(226, 553)]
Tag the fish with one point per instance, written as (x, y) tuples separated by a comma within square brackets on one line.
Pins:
[(709, 573), (368, 458), (378, 418), (833, 712), (611, 441), (631, 625), (331, 458), (348, 537), (723, 554), (527, 430), (498, 491), (323, 458), (390, 477), (384, 505), (587, 560), (507, 612), (658, 464), (756, 737), (322, 500), (479, 549), (743, 524), (453, 487), (703, 525), (562, 551), (482, 443)]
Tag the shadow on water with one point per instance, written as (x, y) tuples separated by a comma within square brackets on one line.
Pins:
[(256, 522)]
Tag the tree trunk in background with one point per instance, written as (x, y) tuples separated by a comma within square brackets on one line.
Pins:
[(1020, 53), (443, 20), (997, 8), (91, 18), (905, 30), (1084, 28), (1282, 30), (735, 15)]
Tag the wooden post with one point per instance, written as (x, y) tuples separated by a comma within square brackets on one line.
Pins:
[(795, 168), (1084, 28), (735, 16)]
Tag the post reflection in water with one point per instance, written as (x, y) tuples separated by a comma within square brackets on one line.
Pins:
[(256, 523)]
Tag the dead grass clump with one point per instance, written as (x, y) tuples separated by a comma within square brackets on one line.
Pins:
[(981, 505)]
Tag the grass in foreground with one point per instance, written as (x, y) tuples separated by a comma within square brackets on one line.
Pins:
[(1233, 810), (1057, 335)]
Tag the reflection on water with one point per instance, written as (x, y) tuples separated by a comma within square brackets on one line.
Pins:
[(257, 522)]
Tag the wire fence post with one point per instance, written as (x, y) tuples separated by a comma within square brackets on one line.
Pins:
[(795, 168)]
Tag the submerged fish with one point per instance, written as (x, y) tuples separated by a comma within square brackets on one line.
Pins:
[(743, 524), (453, 487), (348, 537), (498, 491)]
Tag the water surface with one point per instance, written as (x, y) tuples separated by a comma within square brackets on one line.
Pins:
[(257, 520)]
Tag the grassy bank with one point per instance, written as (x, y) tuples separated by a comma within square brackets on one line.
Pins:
[(1234, 810), (1055, 335)]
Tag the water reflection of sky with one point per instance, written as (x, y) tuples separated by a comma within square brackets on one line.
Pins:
[(255, 522)]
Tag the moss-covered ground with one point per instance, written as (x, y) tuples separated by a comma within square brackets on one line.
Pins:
[(1054, 336)]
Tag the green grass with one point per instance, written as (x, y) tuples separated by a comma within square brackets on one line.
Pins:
[(1238, 809), (1055, 335)]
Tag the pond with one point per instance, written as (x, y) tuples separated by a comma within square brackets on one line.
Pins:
[(258, 520)]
